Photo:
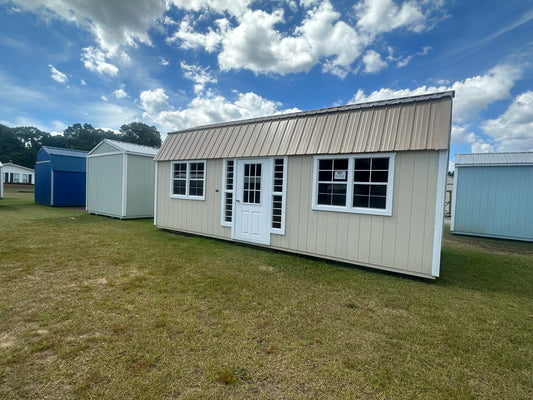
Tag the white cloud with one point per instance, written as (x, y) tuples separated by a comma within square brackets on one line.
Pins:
[(113, 23), (472, 95), (255, 44), (103, 98), (373, 62), (95, 60), (57, 76), (83, 83), (513, 130), (376, 16), (462, 136), (163, 61), (120, 93), (200, 76), (234, 7), (205, 109), (189, 39)]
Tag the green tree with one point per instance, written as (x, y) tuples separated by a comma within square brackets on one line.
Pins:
[(140, 133)]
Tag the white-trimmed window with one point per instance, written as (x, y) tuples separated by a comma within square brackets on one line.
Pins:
[(360, 183), (279, 188), (188, 180), (228, 182)]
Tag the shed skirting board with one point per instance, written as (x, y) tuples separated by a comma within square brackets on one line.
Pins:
[(521, 239)]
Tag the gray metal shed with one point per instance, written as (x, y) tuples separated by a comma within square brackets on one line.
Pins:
[(362, 183), (493, 195), (120, 180)]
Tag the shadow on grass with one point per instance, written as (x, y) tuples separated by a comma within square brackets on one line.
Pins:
[(487, 265)]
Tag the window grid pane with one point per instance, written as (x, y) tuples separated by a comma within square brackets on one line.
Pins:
[(332, 181), (370, 177), (252, 184)]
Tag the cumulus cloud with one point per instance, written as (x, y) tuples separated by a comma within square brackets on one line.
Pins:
[(472, 95), (513, 130), (463, 136), (256, 45), (200, 76), (205, 109), (83, 83), (188, 38), (57, 76), (94, 60), (113, 23), (376, 16), (373, 62), (163, 61), (120, 93)]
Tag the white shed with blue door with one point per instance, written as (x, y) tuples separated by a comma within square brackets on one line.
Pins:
[(493, 195)]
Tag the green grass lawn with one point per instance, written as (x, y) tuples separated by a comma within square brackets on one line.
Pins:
[(93, 307)]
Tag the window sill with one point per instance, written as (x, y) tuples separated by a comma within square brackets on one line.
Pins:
[(175, 196), (366, 211)]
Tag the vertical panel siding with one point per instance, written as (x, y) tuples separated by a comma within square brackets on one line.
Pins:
[(403, 241), (495, 201), (104, 185), (140, 187), (195, 216)]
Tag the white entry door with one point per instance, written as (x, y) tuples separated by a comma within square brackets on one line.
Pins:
[(253, 201)]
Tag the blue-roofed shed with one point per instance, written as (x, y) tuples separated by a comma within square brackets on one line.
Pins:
[(60, 177), (493, 195)]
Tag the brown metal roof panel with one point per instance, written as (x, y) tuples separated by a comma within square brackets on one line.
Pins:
[(297, 134), (185, 151), (363, 130), (341, 129), (350, 136), (440, 125), (390, 129), (375, 137), (203, 142), (244, 138), (278, 137), (256, 130), (174, 146), (405, 127), (269, 136), (231, 142), (287, 136), (260, 139), (329, 132), (420, 126), (218, 140), (316, 134), (306, 135)]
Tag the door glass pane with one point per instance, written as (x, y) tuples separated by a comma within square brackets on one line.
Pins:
[(252, 184)]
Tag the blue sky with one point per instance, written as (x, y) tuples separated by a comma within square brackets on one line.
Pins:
[(182, 63)]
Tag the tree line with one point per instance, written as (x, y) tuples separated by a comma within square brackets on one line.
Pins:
[(20, 145)]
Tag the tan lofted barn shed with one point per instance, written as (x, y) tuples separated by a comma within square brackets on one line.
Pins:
[(362, 183)]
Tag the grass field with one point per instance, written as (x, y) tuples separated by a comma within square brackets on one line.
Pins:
[(92, 307)]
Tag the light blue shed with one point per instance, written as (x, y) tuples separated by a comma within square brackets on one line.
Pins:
[(493, 195)]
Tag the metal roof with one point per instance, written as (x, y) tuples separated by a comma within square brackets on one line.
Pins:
[(494, 158), (58, 151), (410, 123), (130, 147)]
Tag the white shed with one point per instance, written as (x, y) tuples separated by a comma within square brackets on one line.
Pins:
[(13, 173), (1, 182), (120, 180), (362, 183)]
